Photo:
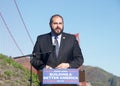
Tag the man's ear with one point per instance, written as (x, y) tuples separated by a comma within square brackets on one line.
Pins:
[(50, 24)]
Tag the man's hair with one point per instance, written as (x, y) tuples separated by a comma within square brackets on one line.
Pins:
[(55, 16)]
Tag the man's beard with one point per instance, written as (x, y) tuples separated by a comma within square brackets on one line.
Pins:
[(61, 31)]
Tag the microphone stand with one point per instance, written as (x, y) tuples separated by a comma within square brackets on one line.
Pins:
[(29, 55), (30, 72)]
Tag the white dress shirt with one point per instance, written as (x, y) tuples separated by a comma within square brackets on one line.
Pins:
[(58, 38)]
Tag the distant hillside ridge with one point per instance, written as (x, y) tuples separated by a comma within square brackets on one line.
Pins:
[(100, 77)]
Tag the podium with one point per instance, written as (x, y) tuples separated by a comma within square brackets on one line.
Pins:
[(81, 78)]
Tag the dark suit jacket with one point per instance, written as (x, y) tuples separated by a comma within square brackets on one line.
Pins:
[(69, 52)]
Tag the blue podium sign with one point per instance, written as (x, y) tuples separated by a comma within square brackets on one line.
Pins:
[(60, 76)]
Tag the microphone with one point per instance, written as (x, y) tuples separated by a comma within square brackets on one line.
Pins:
[(33, 54)]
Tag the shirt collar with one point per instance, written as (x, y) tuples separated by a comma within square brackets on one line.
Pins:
[(53, 35)]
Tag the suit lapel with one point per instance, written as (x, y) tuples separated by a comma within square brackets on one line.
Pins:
[(50, 42), (63, 37)]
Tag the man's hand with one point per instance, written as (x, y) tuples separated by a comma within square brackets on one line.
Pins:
[(63, 65), (48, 67)]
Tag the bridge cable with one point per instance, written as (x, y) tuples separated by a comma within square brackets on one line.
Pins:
[(23, 22), (10, 33)]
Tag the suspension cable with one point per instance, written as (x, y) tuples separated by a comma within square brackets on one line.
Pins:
[(23, 22), (10, 34)]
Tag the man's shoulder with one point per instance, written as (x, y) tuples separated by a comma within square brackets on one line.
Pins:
[(44, 35), (68, 34)]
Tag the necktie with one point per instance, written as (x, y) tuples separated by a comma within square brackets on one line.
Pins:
[(56, 46)]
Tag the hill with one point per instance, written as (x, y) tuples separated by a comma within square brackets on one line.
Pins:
[(100, 77), (13, 74)]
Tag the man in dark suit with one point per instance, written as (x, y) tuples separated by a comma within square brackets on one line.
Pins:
[(59, 49)]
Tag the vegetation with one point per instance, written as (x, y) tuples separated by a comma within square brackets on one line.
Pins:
[(13, 74), (100, 77)]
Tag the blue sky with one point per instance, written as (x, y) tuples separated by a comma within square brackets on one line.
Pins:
[(97, 22)]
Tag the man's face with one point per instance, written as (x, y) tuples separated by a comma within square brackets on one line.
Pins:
[(57, 25)]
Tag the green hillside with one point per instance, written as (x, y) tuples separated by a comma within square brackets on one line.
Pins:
[(13, 74), (100, 77)]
